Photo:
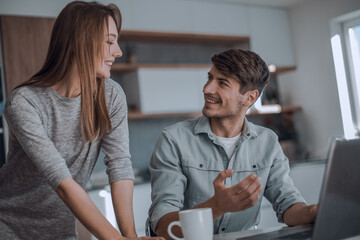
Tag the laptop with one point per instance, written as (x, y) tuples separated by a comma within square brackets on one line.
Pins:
[(338, 214)]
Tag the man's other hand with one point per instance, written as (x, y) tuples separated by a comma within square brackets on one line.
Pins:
[(236, 198)]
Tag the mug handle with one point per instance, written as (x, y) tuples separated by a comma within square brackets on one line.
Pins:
[(170, 232)]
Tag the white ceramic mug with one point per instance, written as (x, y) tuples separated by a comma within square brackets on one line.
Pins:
[(196, 224)]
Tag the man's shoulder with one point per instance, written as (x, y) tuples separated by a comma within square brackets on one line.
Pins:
[(182, 128), (262, 132)]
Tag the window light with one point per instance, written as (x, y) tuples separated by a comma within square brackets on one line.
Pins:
[(346, 115)]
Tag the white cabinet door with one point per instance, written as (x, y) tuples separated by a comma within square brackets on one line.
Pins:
[(156, 15), (141, 202), (164, 90), (270, 35), (219, 18), (185, 16)]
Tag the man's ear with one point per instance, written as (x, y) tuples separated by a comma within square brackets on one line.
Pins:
[(251, 97)]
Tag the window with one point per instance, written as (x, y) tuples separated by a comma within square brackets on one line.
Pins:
[(345, 43)]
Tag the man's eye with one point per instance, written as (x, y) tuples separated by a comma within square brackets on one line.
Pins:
[(223, 83)]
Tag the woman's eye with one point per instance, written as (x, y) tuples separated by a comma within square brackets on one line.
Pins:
[(110, 43)]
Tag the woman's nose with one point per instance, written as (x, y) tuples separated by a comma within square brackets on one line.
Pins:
[(118, 52)]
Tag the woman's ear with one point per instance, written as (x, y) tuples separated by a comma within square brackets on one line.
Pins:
[(251, 97)]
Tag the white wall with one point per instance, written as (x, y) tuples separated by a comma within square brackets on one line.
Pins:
[(313, 84), (43, 8)]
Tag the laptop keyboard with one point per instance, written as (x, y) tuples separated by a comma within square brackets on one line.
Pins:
[(298, 235)]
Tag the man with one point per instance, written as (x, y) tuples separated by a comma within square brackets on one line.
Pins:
[(222, 161)]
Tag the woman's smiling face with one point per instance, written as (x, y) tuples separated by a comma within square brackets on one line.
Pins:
[(111, 50)]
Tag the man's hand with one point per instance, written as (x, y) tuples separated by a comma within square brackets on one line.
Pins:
[(233, 199), (236, 198)]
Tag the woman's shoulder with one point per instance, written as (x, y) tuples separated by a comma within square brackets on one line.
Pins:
[(25, 94), (113, 89), (111, 85)]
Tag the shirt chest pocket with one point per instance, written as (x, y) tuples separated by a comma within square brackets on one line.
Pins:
[(245, 168), (200, 175)]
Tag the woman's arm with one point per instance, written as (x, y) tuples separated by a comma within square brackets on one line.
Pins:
[(84, 209), (122, 198)]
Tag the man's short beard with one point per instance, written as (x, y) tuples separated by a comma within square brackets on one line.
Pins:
[(225, 115)]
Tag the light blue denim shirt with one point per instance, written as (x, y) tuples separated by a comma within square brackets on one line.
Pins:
[(188, 157)]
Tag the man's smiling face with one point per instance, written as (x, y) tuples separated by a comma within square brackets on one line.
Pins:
[(222, 96)]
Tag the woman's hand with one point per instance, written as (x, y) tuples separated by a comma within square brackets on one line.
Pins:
[(152, 238), (142, 238), (75, 197)]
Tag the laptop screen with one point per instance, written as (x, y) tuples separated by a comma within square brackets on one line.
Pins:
[(339, 206)]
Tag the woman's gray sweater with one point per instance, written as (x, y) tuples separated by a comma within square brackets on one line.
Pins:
[(45, 147)]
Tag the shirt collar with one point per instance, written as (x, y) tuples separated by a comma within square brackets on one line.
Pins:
[(203, 126)]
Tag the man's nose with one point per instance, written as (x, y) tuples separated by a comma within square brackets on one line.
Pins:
[(210, 87)]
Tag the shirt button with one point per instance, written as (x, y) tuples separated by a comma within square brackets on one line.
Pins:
[(254, 166), (248, 134), (201, 165), (223, 229)]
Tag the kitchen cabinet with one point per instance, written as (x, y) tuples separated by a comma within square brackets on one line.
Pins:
[(270, 35), (185, 16), (103, 201), (165, 90), (179, 79), (267, 27), (219, 18), (168, 81), (25, 42)]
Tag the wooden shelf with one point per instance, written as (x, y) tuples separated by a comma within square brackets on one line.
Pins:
[(124, 67), (283, 69), (283, 109), (184, 38), (227, 41), (141, 116)]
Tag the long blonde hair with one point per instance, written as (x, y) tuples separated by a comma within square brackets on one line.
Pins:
[(77, 37)]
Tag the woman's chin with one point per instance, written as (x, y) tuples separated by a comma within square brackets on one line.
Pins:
[(103, 75)]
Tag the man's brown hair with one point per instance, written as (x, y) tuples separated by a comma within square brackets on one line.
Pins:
[(244, 66)]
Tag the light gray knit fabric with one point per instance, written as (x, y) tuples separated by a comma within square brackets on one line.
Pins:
[(46, 146)]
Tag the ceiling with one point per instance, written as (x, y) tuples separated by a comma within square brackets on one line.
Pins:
[(275, 3)]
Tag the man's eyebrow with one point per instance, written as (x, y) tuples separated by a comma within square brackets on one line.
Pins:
[(223, 79)]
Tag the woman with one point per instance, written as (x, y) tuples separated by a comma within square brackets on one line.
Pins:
[(59, 120)]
